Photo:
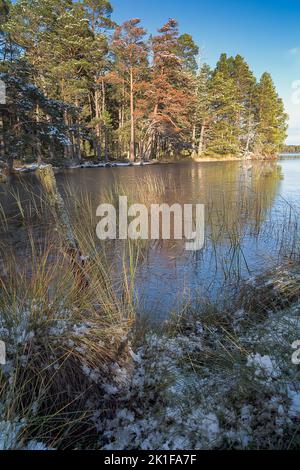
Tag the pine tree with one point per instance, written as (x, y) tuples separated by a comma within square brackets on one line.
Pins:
[(203, 114), (98, 13), (106, 95), (225, 66), (170, 92), (223, 105), (4, 37), (131, 59), (187, 50), (271, 128), (245, 84), (32, 124), (23, 135)]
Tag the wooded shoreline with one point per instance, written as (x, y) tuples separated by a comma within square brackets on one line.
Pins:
[(30, 168), (79, 86)]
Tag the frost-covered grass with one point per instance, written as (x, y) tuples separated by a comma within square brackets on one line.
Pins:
[(65, 326), (214, 378)]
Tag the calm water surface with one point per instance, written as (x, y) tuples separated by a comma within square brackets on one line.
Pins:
[(250, 218), (251, 223)]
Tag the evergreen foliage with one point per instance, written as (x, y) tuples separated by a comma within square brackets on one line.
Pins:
[(80, 86)]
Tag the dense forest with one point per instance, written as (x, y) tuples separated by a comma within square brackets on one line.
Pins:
[(79, 86)]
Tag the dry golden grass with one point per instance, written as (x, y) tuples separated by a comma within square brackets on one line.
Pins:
[(64, 320)]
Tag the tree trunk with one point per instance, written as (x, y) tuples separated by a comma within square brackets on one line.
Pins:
[(248, 137), (48, 182), (103, 97), (10, 165), (194, 141), (51, 150), (97, 147), (148, 152), (78, 142), (77, 135), (67, 148), (2, 137), (106, 145), (98, 126), (132, 124), (38, 142), (201, 140), (51, 146)]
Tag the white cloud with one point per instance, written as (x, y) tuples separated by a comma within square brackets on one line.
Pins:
[(292, 106), (293, 137), (294, 123), (294, 51)]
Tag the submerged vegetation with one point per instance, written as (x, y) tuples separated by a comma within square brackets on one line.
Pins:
[(79, 86)]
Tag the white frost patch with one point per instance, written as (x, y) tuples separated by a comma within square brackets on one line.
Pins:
[(177, 399), (36, 445), (9, 433), (210, 425), (294, 410), (262, 364)]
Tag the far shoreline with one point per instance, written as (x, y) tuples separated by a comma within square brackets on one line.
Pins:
[(31, 168)]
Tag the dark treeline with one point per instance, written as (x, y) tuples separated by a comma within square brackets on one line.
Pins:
[(80, 86)]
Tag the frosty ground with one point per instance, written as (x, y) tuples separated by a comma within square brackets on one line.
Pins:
[(212, 379), (210, 385)]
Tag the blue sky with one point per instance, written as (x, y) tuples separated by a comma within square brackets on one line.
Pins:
[(265, 32)]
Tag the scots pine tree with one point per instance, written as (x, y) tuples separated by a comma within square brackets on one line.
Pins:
[(188, 51), (130, 52), (203, 110), (272, 120), (224, 107), (245, 83), (171, 93)]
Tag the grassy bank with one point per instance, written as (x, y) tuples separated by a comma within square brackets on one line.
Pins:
[(65, 325)]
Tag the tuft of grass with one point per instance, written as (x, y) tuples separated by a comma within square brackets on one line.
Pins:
[(66, 325)]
